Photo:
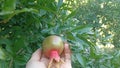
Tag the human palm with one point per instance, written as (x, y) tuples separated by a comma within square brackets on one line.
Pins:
[(38, 60)]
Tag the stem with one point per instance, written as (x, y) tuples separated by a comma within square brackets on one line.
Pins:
[(61, 61), (50, 63), (11, 62), (58, 65)]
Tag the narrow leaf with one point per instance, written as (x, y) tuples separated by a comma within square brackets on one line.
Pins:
[(60, 2), (71, 15), (70, 36), (9, 14), (2, 54), (80, 60), (83, 29)]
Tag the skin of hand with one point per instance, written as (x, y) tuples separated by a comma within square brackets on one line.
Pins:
[(38, 60)]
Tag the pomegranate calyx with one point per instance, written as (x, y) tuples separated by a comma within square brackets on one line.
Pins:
[(55, 56)]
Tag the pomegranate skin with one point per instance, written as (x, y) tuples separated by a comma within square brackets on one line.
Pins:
[(52, 43)]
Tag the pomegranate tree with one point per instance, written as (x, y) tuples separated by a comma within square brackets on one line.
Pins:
[(52, 48)]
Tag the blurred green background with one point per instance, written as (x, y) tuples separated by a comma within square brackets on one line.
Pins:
[(92, 28)]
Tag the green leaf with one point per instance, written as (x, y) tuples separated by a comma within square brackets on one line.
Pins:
[(19, 44), (70, 36), (9, 5), (87, 29), (2, 54), (48, 9), (8, 44), (20, 60), (6, 13), (89, 44), (71, 14), (42, 12), (5, 41), (38, 25), (10, 14), (26, 10), (60, 2), (15, 12), (80, 60), (4, 64)]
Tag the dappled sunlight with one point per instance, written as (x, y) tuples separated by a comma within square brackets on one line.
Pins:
[(108, 45), (102, 5), (84, 2), (104, 26)]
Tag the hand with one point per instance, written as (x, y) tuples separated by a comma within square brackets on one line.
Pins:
[(38, 60)]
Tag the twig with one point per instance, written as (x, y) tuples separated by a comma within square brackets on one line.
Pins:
[(10, 65)]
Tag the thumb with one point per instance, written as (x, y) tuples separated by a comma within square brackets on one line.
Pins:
[(67, 53), (36, 55)]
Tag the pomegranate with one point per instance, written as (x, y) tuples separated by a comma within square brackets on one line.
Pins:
[(52, 48)]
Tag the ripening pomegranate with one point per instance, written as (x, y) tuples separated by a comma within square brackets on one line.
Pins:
[(52, 48)]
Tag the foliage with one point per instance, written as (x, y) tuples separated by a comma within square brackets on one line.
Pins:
[(83, 23)]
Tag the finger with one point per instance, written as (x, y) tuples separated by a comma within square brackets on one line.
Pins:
[(36, 55), (44, 59), (67, 52), (62, 56)]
